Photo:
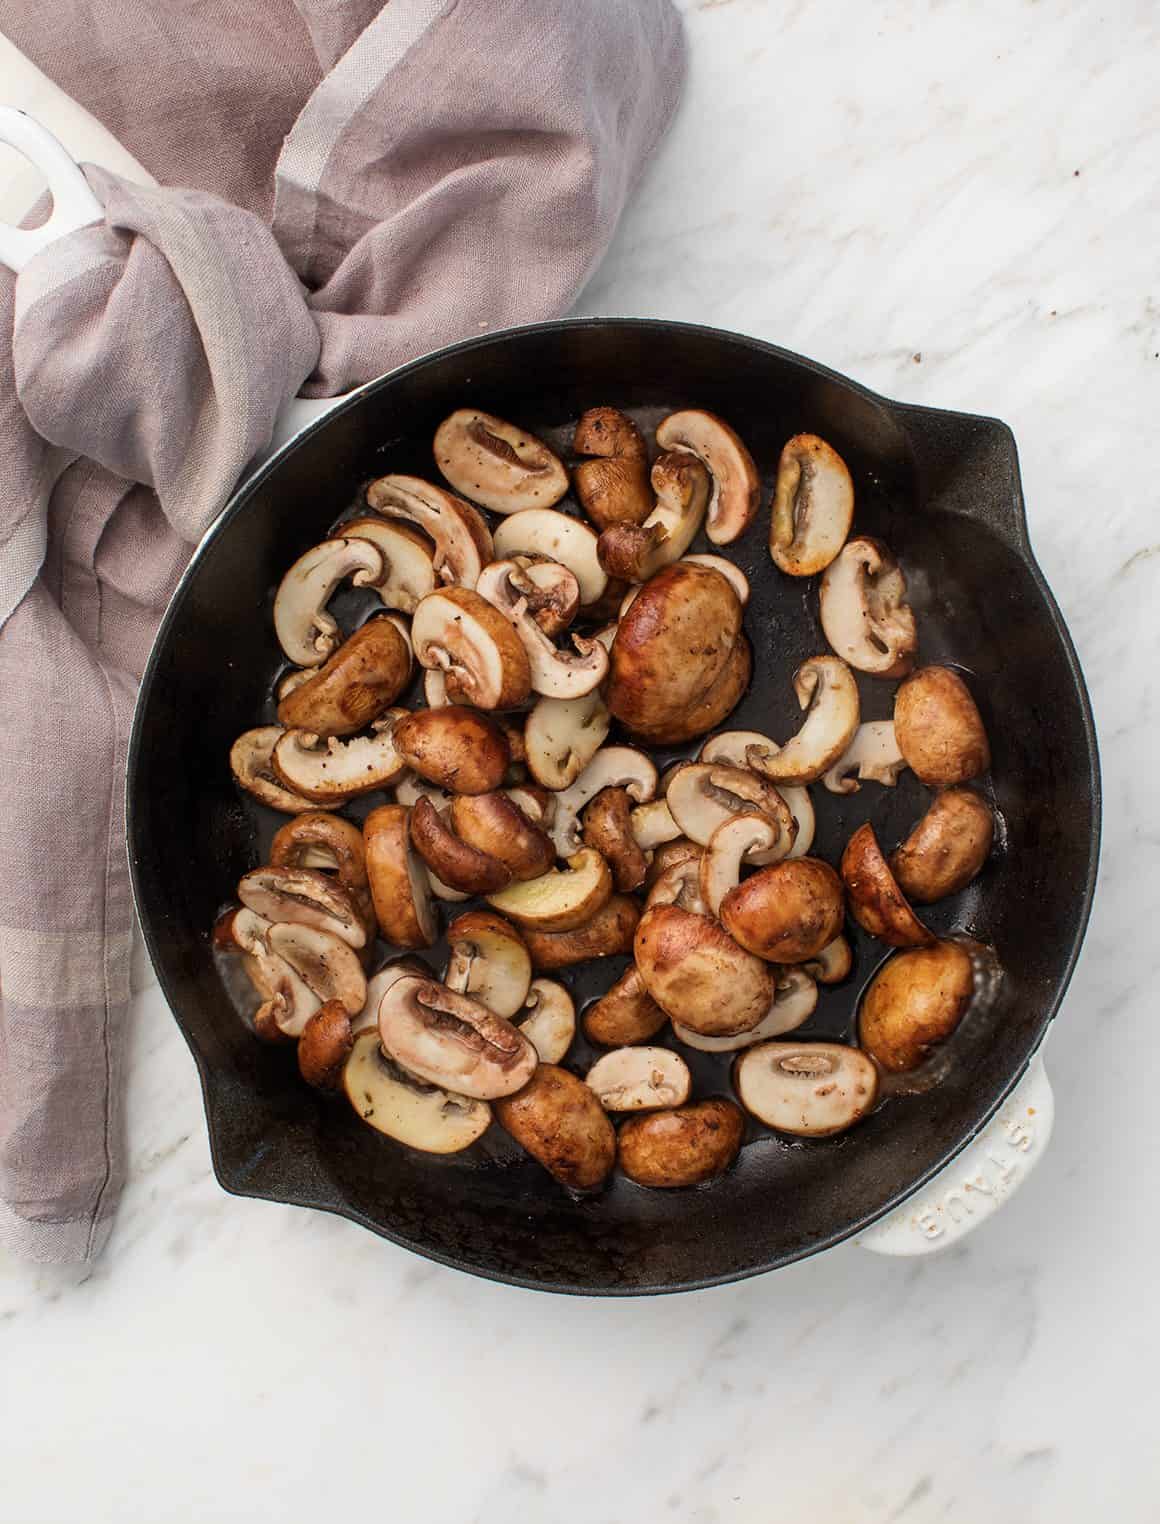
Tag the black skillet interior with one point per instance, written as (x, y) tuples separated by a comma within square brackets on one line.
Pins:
[(943, 490)]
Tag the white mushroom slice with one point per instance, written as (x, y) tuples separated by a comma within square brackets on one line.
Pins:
[(554, 673), (811, 1089), (251, 765), (825, 688), (468, 640), (732, 746), (680, 885), (728, 569), (306, 631), (326, 964), (411, 788), (607, 634), (404, 629), (497, 464), (637, 552), (461, 537), (562, 736), (547, 532), (304, 897), (287, 1000), (640, 1079), (435, 688), (730, 843), (735, 482), (627, 601), (703, 795), (331, 770), (453, 1041), (408, 560), (559, 900), (611, 767), (795, 999), (538, 806), (489, 961), (404, 1108), (873, 755), (653, 825), (378, 985), (813, 507), (864, 610), (550, 1022), (289, 681), (832, 964)]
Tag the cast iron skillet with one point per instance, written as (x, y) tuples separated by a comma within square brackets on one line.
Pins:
[(943, 490)]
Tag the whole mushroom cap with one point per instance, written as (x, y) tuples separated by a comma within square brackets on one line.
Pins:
[(939, 729), (917, 998), (698, 974), (787, 912)]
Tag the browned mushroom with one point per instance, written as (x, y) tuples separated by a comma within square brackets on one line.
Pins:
[(452, 1041), (495, 463), (813, 506), (939, 729), (697, 973), (463, 545), (635, 552), (671, 855), (559, 1121), (609, 932), (455, 747), (735, 481), (916, 999), (876, 902), (947, 847), (613, 485), (473, 646), (684, 1146), (304, 897), (324, 842), (251, 762), (489, 960), (451, 860), (494, 824), (788, 912), (561, 899), (325, 1045), (363, 677), (864, 610), (625, 1014), (608, 828), (399, 884), (408, 556), (306, 631)]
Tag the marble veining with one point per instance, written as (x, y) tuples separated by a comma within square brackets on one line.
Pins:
[(956, 205)]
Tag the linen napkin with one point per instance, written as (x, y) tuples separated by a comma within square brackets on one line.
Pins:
[(360, 183)]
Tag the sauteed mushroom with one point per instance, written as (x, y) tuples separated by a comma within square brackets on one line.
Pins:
[(455, 747), (497, 464), (608, 828), (481, 658), (608, 932), (325, 963), (947, 847), (305, 897), (494, 823), (795, 997), (332, 771), (640, 1079), (463, 544), (253, 769), (558, 1120), (453, 1041), (611, 767), (286, 1001), (453, 861), (326, 843), (555, 673), (916, 999), (832, 964), (826, 690), (625, 1014), (306, 631), (698, 974), (399, 886), (873, 755), (563, 735), (735, 482), (939, 730), (811, 1089), (786, 913), (613, 487), (732, 747), (550, 1020), (702, 796), (325, 1045), (635, 552), (813, 507), (864, 610), (408, 556), (362, 678), (559, 900), (404, 1108), (559, 537), (732, 573), (683, 1146), (490, 961), (876, 902)]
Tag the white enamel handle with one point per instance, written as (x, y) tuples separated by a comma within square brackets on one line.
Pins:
[(976, 1183), (73, 203)]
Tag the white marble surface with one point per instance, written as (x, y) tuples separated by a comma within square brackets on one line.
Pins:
[(957, 204)]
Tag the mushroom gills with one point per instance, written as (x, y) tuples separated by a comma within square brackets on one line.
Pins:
[(496, 463)]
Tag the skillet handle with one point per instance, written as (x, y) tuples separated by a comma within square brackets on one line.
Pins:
[(976, 1183), (73, 203)]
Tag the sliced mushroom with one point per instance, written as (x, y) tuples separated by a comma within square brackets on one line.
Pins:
[(558, 1120), (333, 770), (550, 1022), (698, 974), (625, 1014), (720, 865), (329, 844), (915, 1000), (876, 902), (873, 755), (363, 677), (253, 769), (552, 591), (327, 964), (947, 847), (813, 508), (703, 795), (668, 855), (494, 823), (613, 485), (732, 746), (715, 704), (811, 1090), (652, 825), (562, 736), (408, 557), (732, 573), (832, 964), (640, 1079), (607, 933), (435, 688), (611, 767), (456, 864), (453, 1041), (537, 803), (735, 482), (325, 1045), (303, 897), (559, 537), (636, 552), (380, 982), (306, 631), (684, 1146), (559, 900), (608, 828), (404, 1108), (471, 643), (455, 748), (939, 729), (497, 464), (489, 960), (679, 884), (554, 673), (463, 545), (825, 688), (286, 1000), (794, 1001), (864, 610), (399, 885), (786, 913)]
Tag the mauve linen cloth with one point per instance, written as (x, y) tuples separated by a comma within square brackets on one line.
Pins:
[(361, 183)]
